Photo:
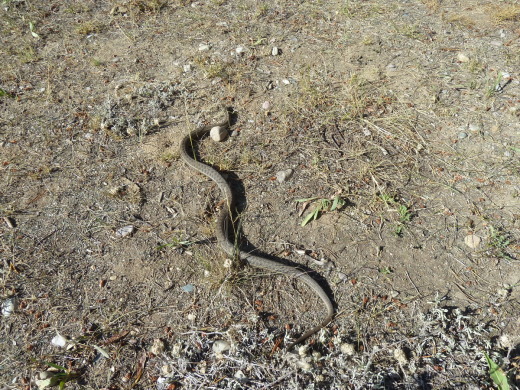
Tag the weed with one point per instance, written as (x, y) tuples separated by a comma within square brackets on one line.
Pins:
[(386, 270), (33, 30), (56, 378), (403, 212), (262, 10), (496, 87), (27, 54), (96, 62), (88, 28), (3, 93), (499, 242), (176, 243), (321, 205), (496, 374)]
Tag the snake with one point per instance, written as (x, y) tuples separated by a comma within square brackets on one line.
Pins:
[(225, 223)]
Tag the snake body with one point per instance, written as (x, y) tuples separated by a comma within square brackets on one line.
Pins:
[(224, 222)]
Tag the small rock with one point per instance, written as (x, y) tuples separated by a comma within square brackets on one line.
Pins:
[(391, 67), (8, 307), (191, 317), (188, 288), (218, 133), (283, 176), (461, 57), (463, 135), (204, 47), (240, 50), (276, 51), (125, 231), (475, 128), (186, 68), (266, 106), (157, 347), (472, 240), (508, 154), (59, 340), (348, 349), (220, 346)]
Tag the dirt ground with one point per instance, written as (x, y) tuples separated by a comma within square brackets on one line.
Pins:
[(407, 112)]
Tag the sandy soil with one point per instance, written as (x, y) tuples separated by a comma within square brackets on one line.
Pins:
[(408, 111)]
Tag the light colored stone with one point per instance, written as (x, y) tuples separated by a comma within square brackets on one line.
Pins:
[(204, 47), (59, 340), (275, 51), (461, 57), (8, 307), (218, 133), (472, 240), (283, 176), (125, 231)]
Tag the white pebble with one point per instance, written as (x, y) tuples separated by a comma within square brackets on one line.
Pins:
[(283, 176), (474, 127), (59, 340), (461, 57), (266, 105), (275, 51), (472, 240), (125, 231), (186, 68), (220, 346), (218, 133), (8, 307), (204, 47), (240, 50)]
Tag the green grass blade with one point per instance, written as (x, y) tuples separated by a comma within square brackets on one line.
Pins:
[(496, 374)]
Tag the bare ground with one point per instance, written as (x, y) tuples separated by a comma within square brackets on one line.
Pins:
[(408, 111)]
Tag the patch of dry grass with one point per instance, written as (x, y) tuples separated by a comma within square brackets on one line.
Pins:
[(506, 13)]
